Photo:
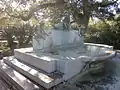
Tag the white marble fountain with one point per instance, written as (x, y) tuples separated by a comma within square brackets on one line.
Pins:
[(56, 57), (61, 51)]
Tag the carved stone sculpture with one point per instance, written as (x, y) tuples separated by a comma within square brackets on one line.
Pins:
[(64, 24)]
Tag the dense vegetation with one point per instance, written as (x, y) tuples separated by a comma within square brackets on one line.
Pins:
[(19, 18), (105, 32)]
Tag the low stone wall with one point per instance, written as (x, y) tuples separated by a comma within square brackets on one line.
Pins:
[(97, 50)]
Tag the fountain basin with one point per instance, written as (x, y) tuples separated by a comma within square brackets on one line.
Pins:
[(68, 61), (44, 63)]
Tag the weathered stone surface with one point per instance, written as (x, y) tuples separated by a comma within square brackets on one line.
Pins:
[(7, 70), (57, 38), (38, 77), (66, 57), (42, 62), (13, 80)]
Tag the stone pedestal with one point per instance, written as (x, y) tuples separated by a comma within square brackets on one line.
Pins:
[(57, 38)]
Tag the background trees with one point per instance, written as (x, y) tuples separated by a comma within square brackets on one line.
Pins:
[(105, 32), (80, 10), (33, 12)]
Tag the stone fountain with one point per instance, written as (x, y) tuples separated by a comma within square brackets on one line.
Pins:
[(57, 55)]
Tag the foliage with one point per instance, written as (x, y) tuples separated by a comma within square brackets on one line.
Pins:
[(107, 32), (4, 50), (80, 10), (37, 11), (21, 33)]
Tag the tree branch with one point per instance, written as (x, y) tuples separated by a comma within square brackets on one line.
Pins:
[(105, 4), (57, 4)]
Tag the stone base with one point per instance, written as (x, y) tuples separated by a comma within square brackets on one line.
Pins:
[(50, 63), (68, 60)]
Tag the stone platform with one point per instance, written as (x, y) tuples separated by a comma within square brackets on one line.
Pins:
[(63, 58), (19, 76), (37, 68), (50, 63), (13, 80), (43, 62)]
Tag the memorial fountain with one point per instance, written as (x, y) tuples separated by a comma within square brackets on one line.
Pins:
[(57, 55)]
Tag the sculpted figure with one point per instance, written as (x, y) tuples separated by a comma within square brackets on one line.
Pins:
[(40, 33), (64, 24)]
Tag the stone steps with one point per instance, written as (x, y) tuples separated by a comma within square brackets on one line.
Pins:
[(37, 77), (14, 80)]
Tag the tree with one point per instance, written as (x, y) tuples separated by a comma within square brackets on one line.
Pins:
[(105, 32), (80, 10), (22, 33)]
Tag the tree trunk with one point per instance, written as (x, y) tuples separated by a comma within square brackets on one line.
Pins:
[(86, 11), (10, 41)]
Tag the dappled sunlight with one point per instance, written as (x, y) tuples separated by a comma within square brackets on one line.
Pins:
[(18, 76), (31, 71), (46, 58), (47, 40)]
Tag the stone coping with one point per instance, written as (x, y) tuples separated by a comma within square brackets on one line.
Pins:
[(57, 57), (99, 45), (111, 54), (102, 57), (30, 49), (24, 50), (108, 54)]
